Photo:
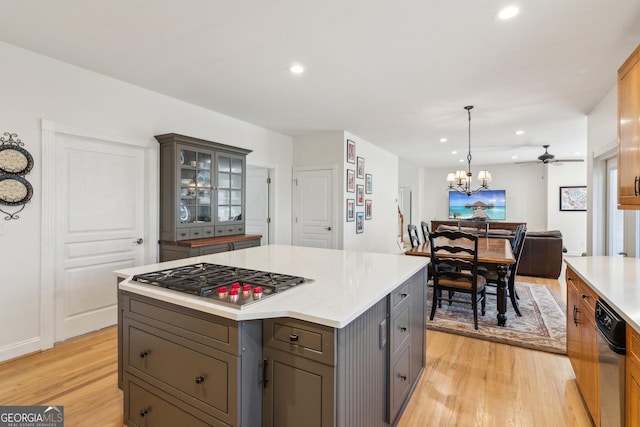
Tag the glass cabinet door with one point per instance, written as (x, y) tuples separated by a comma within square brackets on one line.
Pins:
[(195, 186), (229, 188)]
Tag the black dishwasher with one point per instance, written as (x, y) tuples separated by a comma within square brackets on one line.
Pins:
[(611, 365)]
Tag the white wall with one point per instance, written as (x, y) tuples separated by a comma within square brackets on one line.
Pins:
[(35, 87), (525, 190), (329, 148), (602, 135), (380, 232), (572, 224)]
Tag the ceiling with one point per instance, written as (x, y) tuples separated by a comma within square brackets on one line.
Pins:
[(396, 74)]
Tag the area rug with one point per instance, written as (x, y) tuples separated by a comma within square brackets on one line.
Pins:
[(541, 327)]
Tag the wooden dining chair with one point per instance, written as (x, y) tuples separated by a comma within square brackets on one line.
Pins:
[(491, 274), (425, 230), (413, 235), (456, 275)]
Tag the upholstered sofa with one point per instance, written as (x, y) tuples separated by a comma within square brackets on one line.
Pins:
[(542, 251)]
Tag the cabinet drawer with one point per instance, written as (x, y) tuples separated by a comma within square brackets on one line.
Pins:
[(148, 406), (196, 233), (400, 294), (220, 230), (400, 384), (183, 234), (573, 280), (588, 298), (214, 249), (246, 244), (400, 329), (238, 229), (203, 377), (204, 328), (301, 338), (208, 231)]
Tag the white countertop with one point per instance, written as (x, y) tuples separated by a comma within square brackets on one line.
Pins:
[(614, 279), (346, 283)]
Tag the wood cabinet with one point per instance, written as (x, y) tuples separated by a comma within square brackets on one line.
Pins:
[(202, 188), (632, 407), (186, 367), (629, 132), (582, 341), (362, 374)]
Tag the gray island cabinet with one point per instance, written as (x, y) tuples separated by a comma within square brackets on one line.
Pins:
[(298, 359)]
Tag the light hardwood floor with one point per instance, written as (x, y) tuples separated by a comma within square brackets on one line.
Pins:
[(467, 382)]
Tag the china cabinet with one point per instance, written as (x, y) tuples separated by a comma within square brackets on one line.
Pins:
[(629, 132)]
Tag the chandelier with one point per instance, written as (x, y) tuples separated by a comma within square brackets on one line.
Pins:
[(461, 180)]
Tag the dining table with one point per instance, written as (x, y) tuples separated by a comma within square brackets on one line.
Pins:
[(491, 250)]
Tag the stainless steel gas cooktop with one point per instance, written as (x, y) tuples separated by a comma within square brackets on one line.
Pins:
[(231, 286)]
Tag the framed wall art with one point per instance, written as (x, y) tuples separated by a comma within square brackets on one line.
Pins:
[(351, 208), (360, 167), (368, 183), (351, 151), (360, 194), (367, 209), (351, 180), (573, 198), (359, 222)]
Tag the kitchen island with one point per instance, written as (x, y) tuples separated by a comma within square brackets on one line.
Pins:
[(607, 384), (344, 350)]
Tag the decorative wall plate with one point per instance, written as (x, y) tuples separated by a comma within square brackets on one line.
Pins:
[(15, 160), (14, 190)]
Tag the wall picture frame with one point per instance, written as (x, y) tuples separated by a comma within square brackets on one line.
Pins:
[(359, 194), (359, 222), (573, 198), (367, 209), (351, 151), (351, 180), (360, 167), (368, 183), (351, 210)]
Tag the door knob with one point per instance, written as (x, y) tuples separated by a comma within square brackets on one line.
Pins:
[(139, 241), (329, 228)]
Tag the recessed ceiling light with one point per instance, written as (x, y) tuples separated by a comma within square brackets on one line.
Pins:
[(443, 139), (519, 132), (461, 160), (508, 12), (296, 69), (514, 157), (577, 153), (454, 152)]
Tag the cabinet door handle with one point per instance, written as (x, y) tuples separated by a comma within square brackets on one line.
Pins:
[(584, 296), (403, 377), (144, 354), (403, 329), (636, 187), (144, 411), (293, 338), (139, 241), (199, 379), (404, 295), (265, 380), (575, 315)]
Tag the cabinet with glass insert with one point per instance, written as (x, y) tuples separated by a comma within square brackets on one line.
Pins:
[(202, 190)]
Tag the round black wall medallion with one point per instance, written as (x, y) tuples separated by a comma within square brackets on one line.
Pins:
[(15, 162)]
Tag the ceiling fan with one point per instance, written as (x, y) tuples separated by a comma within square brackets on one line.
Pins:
[(547, 158)]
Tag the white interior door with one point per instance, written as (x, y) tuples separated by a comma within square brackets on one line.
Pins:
[(99, 227), (258, 217), (313, 208)]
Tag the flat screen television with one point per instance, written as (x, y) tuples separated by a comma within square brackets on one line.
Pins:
[(487, 204)]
